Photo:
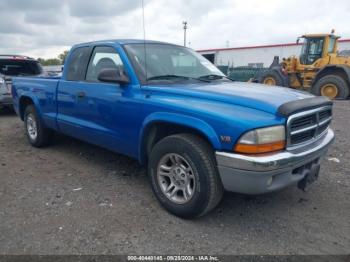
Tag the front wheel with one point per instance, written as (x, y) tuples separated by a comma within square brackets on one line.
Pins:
[(184, 175), (271, 78)]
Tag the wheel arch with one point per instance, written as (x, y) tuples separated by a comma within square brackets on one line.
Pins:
[(160, 125), (24, 101), (339, 70)]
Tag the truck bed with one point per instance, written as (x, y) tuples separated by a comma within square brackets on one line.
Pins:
[(42, 90)]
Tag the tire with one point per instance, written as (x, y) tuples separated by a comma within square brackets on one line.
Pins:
[(271, 75), (331, 82), (194, 155), (37, 135)]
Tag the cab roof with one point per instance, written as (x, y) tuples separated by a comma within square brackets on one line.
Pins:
[(319, 35), (122, 42)]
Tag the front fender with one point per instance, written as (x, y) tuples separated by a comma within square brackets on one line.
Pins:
[(332, 68), (179, 119)]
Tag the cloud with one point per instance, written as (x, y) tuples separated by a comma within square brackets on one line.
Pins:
[(7, 26), (106, 8), (42, 18), (23, 6), (46, 28)]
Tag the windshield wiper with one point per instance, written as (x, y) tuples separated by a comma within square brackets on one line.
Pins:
[(160, 77), (213, 77)]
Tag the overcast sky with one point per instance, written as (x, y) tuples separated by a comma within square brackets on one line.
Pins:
[(44, 28)]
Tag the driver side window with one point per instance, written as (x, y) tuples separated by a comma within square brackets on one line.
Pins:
[(103, 57)]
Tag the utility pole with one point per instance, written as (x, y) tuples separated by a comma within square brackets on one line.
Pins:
[(185, 28)]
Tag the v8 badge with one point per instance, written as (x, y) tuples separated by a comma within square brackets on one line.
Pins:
[(225, 139)]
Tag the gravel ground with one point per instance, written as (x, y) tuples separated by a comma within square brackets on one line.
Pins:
[(75, 198)]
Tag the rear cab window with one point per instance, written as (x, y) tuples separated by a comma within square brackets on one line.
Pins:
[(77, 64)]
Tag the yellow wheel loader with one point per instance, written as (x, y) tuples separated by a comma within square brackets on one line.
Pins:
[(319, 69)]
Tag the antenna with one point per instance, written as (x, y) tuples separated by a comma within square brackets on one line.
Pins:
[(144, 38)]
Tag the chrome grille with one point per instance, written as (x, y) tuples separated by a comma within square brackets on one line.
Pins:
[(305, 127)]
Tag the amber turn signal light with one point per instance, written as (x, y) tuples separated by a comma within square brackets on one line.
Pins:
[(259, 148)]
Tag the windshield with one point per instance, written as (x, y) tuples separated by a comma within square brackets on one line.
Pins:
[(170, 62), (311, 50), (14, 67)]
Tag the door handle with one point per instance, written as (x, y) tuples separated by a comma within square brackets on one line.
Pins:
[(81, 94)]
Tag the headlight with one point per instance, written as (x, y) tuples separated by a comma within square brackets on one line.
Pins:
[(262, 140)]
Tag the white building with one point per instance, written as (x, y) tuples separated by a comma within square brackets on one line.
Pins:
[(257, 56)]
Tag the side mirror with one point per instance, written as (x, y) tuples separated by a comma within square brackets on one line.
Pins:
[(111, 75)]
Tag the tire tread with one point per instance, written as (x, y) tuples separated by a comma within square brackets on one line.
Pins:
[(343, 88), (206, 152)]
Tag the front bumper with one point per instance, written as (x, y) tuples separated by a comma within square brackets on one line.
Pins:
[(266, 173)]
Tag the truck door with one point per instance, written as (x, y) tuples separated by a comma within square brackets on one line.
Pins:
[(100, 113)]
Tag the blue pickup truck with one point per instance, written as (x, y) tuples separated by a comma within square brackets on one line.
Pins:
[(198, 132)]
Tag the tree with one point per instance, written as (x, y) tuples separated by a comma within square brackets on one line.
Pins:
[(63, 56), (49, 61), (41, 60), (54, 61)]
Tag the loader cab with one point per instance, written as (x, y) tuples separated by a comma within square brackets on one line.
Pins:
[(312, 50), (316, 47)]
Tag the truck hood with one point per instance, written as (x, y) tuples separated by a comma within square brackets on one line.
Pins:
[(257, 96)]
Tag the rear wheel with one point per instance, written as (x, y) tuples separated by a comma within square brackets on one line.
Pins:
[(331, 86), (272, 78), (37, 135), (184, 176)]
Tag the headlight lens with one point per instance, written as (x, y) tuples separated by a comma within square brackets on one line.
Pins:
[(262, 140)]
